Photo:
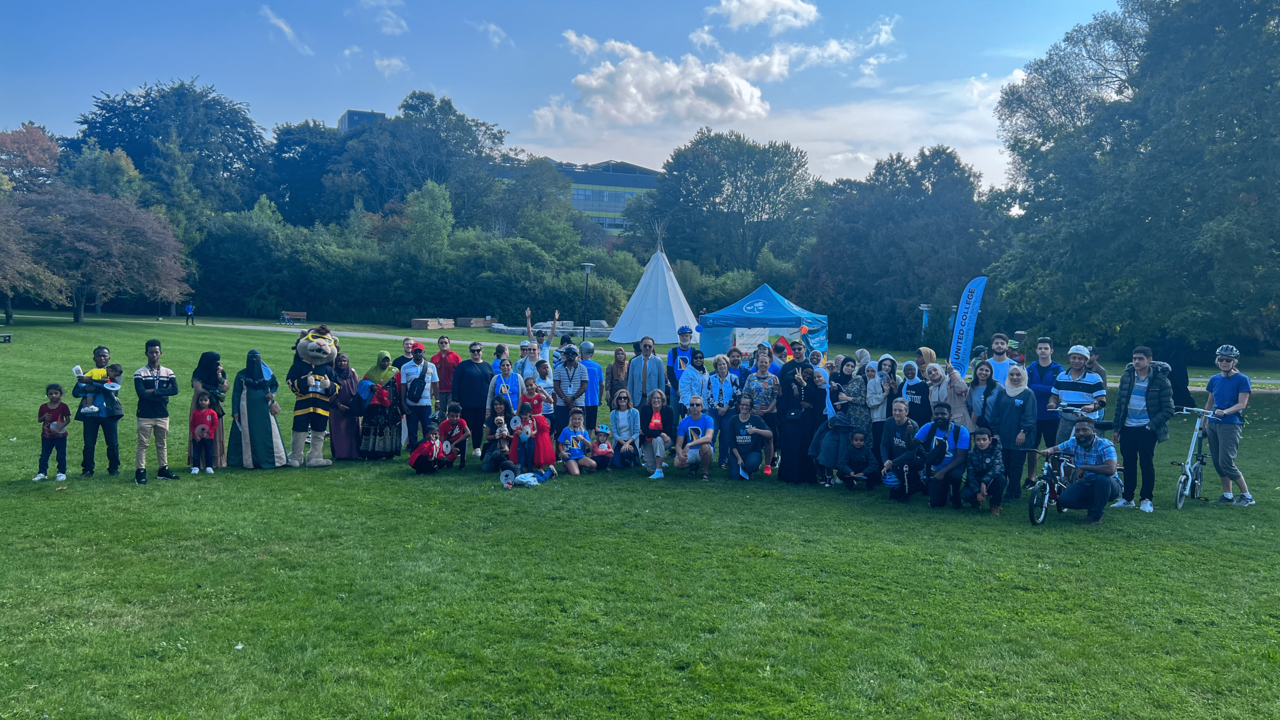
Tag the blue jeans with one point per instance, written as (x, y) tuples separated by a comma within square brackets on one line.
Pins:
[(750, 462), (627, 459), (1092, 493), (47, 446), (418, 415), (525, 448)]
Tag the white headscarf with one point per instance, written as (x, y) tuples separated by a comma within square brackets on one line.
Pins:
[(938, 392), (916, 379), (1009, 388)]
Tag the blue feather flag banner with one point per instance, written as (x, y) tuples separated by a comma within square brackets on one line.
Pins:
[(966, 322)]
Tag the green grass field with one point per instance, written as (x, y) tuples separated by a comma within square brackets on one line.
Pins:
[(362, 591)]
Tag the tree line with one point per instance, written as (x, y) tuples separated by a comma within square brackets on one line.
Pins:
[(1142, 206)]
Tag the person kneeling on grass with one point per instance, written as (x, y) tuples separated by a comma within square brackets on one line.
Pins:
[(857, 462), (428, 456), (602, 449), (695, 438), (1095, 483), (573, 439), (747, 431), (986, 478)]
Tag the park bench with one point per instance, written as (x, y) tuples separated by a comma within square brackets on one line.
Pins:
[(289, 317), (6, 338)]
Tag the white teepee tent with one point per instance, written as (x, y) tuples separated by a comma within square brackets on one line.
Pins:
[(657, 308)]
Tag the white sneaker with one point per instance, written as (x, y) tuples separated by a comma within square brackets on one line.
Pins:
[(62, 477), (39, 477), (476, 452), (208, 471), (195, 471), (90, 409), (657, 474), (1146, 506), (1122, 503)]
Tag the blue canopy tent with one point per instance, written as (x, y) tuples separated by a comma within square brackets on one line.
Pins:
[(762, 309)]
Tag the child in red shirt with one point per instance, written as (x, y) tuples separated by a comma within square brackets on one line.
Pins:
[(53, 417), (428, 455), (602, 449), (204, 427), (534, 395), (455, 432)]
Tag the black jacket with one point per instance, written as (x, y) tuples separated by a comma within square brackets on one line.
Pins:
[(898, 442), (855, 460), (1159, 398), (983, 466)]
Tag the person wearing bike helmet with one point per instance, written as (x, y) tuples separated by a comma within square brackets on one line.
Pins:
[(678, 358), (1229, 392)]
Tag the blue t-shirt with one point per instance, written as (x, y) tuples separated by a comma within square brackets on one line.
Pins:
[(961, 443), (678, 359), (496, 363), (696, 429), (595, 376), (1226, 393), (576, 442)]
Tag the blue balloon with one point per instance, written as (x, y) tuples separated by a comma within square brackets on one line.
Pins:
[(698, 328)]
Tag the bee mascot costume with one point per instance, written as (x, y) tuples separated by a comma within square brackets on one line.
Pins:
[(312, 380)]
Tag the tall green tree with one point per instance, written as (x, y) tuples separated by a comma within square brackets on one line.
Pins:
[(300, 158), (723, 198), (107, 173)]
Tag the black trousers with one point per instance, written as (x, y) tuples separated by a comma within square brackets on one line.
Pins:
[(313, 421), (1138, 451), (110, 435), (995, 491), (947, 487), (871, 473), (909, 481), (474, 418), (590, 413)]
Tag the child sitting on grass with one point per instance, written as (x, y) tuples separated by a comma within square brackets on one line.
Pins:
[(857, 462), (428, 456), (573, 440), (602, 449), (204, 427), (53, 417), (985, 472)]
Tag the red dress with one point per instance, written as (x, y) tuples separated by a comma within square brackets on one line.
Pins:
[(535, 402), (544, 452)]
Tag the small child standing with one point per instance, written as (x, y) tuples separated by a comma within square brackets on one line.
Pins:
[(857, 462), (985, 472), (602, 449), (53, 417), (204, 428)]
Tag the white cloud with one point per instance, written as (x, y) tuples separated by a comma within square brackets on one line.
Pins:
[(781, 15), (387, 19), (642, 88), (496, 34), (702, 38), (581, 45), (353, 50), (843, 140), (284, 28), (390, 66)]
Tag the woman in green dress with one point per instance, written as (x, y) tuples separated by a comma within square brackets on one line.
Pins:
[(255, 437)]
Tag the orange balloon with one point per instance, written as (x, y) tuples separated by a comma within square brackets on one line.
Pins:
[(804, 329)]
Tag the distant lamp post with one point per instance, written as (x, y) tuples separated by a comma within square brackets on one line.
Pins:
[(586, 294)]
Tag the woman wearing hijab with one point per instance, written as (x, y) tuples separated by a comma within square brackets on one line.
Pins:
[(924, 358), (983, 392), (916, 392), (344, 427), (255, 436), (799, 421), (615, 376), (1014, 422), (948, 388), (211, 378), (380, 431), (849, 399), (887, 377)]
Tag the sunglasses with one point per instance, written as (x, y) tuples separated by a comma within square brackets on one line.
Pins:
[(695, 404), (476, 350), (1226, 359)]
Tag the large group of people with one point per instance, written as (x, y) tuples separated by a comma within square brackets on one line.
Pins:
[(954, 435)]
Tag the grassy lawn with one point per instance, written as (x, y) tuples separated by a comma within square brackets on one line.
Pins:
[(362, 591)]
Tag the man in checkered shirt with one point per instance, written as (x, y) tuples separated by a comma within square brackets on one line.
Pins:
[(1095, 483)]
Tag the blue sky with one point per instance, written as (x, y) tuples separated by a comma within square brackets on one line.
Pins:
[(849, 82)]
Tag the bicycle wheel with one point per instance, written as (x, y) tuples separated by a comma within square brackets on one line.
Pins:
[(1038, 505), (1184, 488)]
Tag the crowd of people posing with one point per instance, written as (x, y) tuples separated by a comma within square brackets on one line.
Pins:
[(783, 409)]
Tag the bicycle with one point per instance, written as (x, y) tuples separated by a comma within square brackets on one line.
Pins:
[(1189, 483), (1058, 472)]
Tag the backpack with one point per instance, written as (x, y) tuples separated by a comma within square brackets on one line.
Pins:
[(417, 387), (931, 453), (360, 400)]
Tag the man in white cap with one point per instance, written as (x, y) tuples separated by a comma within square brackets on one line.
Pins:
[(1081, 393)]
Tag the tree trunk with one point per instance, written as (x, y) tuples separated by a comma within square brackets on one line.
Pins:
[(8, 309), (173, 309), (77, 309), (97, 305)]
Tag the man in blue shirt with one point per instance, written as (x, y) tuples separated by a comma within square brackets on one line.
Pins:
[(945, 445), (695, 440), (191, 314), (1040, 378), (595, 385), (678, 358), (1080, 392), (1095, 483), (1229, 392)]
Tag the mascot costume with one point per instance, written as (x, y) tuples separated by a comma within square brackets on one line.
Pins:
[(312, 380)]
